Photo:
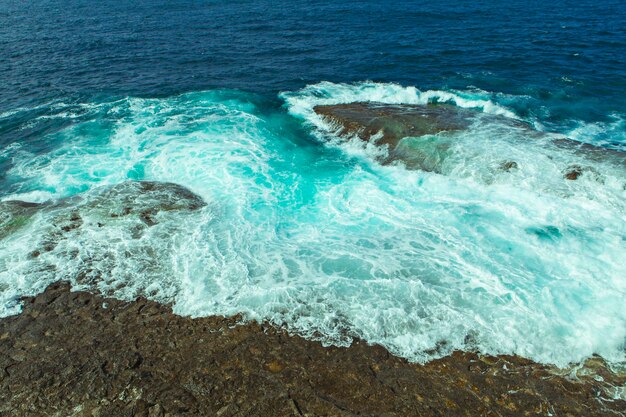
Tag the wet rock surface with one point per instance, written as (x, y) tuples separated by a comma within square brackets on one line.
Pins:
[(118, 239), (389, 124), (144, 200), (15, 214), (78, 354), (395, 121), (573, 172)]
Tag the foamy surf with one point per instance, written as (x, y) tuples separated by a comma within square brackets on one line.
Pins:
[(327, 242)]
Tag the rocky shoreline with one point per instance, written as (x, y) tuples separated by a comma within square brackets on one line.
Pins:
[(79, 354)]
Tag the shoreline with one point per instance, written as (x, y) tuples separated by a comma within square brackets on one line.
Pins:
[(80, 354)]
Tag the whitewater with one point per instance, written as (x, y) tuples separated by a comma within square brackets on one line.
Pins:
[(308, 231)]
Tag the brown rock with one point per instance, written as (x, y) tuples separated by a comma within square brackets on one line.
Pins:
[(275, 366), (388, 124), (75, 357), (395, 121), (573, 172)]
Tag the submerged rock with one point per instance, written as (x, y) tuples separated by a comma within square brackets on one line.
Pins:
[(75, 353), (144, 199), (102, 237), (141, 199), (592, 152), (435, 126), (124, 213), (15, 214), (573, 172), (389, 124), (508, 166)]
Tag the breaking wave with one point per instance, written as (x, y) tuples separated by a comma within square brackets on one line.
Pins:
[(308, 231)]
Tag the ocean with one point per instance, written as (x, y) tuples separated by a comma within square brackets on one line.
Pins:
[(301, 227)]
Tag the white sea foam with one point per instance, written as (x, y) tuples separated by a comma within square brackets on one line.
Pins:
[(609, 134), (327, 242), (326, 93)]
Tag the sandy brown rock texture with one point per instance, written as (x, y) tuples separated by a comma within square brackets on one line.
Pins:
[(78, 354)]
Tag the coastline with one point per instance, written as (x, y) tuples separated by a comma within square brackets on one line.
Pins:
[(348, 208), (80, 354)]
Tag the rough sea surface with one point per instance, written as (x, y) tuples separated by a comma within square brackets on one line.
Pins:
[(303, 228)]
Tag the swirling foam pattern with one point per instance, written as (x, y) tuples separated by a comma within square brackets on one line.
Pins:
[(309, 232)]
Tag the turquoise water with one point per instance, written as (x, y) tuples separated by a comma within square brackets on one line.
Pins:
[(302, 227), (308, 231)]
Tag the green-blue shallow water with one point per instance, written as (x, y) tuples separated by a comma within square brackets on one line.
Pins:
[(309, 231)]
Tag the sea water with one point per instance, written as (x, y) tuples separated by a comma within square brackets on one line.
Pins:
[(304, 228)]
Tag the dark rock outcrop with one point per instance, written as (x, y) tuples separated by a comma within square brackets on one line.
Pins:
[(389, 124), (395, 122), (78, 354)]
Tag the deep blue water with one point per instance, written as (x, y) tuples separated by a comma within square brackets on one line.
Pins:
[(308, 232), (569, 55)]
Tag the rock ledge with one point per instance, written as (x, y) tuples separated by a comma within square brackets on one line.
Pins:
[(79, 354)]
